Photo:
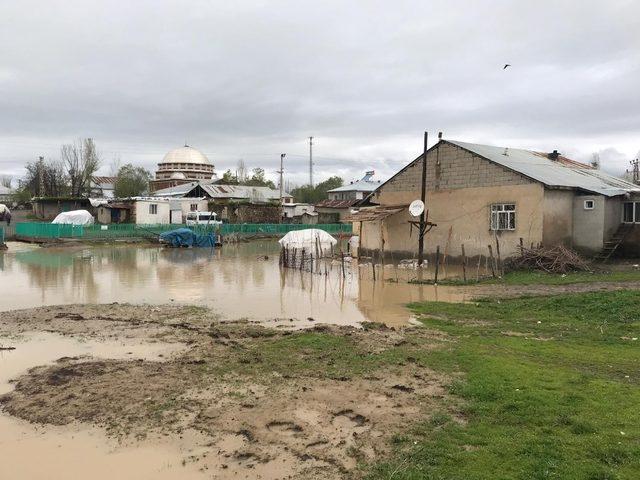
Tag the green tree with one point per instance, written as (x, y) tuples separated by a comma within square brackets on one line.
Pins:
[(308, 194), (229, 178), (258, 179), (131, 181)]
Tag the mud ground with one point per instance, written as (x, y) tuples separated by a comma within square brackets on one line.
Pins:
[(257, 402)]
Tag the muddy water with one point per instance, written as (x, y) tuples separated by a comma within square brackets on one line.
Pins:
[(29, 452), (238, 281)]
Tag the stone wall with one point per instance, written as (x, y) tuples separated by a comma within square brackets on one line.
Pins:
[(248, 213)]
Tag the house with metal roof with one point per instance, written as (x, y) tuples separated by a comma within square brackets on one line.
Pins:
[(480, 195), (219, 193), (340, 200)]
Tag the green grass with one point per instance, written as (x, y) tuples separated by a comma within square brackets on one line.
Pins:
[(550, 389), (530, 277)]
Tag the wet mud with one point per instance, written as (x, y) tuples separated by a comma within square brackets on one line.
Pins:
[(238, 400)]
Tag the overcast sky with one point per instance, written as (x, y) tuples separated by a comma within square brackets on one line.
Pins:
[(249, 80)]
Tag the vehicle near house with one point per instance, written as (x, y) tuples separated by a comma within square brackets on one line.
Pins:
[(477, 195), (202, 218)]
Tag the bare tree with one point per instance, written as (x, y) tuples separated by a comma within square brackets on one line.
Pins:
[(595, 160), (241, 172), (114, 166), (81, 161), (5, 180), (45, 179)]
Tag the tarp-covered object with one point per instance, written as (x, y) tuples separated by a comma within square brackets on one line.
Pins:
[(3, 208), (184, 237), (307, 239), (74, 217)]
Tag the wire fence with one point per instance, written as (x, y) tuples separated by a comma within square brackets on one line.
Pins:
[(128, 230)]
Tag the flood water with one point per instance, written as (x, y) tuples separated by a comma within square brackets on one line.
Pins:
[(237, 281)]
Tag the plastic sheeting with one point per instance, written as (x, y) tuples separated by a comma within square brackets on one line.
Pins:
[(307, 239), (3, 208), (184, 237), (74, 217)]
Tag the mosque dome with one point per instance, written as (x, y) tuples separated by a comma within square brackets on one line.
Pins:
[(177, 176), (186, 154)]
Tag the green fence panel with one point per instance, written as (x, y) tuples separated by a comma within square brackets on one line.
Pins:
[(1, 236), (48, 230), (128, 230)]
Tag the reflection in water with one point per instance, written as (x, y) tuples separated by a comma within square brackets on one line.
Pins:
[(238, 281)]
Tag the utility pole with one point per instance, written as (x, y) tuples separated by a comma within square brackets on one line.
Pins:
[(311, 162), (423, 197), (635, 170), (281, 172), (40, 176)]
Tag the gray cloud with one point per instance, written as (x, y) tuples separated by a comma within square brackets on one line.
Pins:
[(365, 78)]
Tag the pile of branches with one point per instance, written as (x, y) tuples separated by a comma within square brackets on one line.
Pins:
[(557, 259)]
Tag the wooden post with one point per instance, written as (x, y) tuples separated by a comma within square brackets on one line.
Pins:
[(478, 268), (423, 197), (521, 246), (342, 261), (435, 280), (464, 265), (499, 264), (373, 266), (493, 270), (302, 260)]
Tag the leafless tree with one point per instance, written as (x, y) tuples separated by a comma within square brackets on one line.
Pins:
[(114, 166), (81, 161), (241, 172), (595, 160), (5, 180), (45, 179)]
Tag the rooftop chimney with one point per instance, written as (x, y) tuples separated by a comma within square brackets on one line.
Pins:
[(553, 155)]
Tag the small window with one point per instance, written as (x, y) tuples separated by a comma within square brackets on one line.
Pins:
[(627, 212), (153, 209), (588, 204), (194, 207), (503, 216)]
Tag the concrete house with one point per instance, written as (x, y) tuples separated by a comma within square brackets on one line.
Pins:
[(340, 200), (477, 194)]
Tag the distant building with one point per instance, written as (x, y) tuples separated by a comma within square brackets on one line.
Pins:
[(6, 195), (102, 187), (222, 194), (355, 190), (149, 210), (299, 213), (182, 165)]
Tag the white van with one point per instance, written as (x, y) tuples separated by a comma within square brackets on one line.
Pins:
[(202, 218)]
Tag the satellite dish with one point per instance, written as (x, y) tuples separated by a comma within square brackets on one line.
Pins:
[(416, 208)]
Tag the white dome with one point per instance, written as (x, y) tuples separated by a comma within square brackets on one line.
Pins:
[(186, 154), (178, 176)]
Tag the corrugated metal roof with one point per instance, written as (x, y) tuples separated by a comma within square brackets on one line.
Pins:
[(371, 214), (337, 203), (365, 184), (563, 173), (243, 191)]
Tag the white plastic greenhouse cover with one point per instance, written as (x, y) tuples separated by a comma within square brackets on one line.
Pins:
[(74, 217), (307, 239)]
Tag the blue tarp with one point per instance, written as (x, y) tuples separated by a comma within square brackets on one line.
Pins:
[(184, 237)]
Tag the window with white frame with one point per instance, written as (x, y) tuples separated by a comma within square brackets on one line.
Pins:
[(503, 216), (153, 209), (589, 204), (631, 212)]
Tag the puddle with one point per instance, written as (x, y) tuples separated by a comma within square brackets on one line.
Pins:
[(28, 451), (235, 280)]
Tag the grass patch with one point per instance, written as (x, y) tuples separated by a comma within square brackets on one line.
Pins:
[(529, 277), (551, 389)]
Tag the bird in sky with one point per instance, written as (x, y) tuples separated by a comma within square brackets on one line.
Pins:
[(506, 65)]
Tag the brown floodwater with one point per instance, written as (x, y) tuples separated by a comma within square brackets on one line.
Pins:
[(31, 452), (237, 281)]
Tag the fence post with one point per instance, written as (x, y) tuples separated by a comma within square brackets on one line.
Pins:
[(491, 262), (437, 263), (464, 265)]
